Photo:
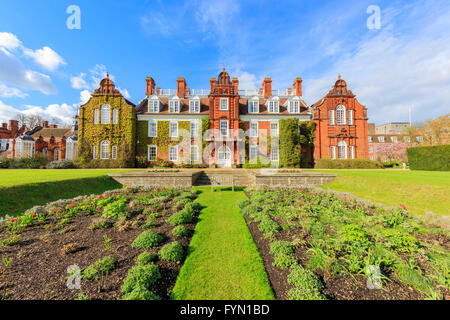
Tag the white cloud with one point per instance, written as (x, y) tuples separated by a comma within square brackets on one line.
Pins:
[(7, 112), (85, 95), (9, 40), (124, 92), (46, 57), (78, 82), (7, 92)]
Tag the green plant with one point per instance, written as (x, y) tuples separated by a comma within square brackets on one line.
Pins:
[(435, 158), (307, 284), (102, 266), (115, 210), (171, 252), (283, 254), (140, 293), (146, 258), (107, 242), (180, 231), (11, 241), (100, 223), (267, 225), (82, 296), (184, 216), (347, 164), (147, 239), (141, 277)]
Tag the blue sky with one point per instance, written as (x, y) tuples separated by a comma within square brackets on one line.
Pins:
[(48, 69)]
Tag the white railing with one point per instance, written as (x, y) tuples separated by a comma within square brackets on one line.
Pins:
[(166, 92), (248, 92), (200, 92), (282, 92)]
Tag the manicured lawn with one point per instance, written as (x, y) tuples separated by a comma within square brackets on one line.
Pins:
[(419, 191), (23, 189), (223, 261)]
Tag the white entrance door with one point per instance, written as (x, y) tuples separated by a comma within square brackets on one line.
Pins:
[(224, 155)]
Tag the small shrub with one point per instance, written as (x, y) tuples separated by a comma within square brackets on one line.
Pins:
[(141, 277), (147, 239), (180, 231), (348, 164), (105, 266), (171, 252), (61, 164), (82, 296), (267, 225), (242, 204), (146, 258), (99, 223), (435, 158), (115, 210), (301, 294), (140, 293), (12, 241), (283, 254), (184, 216)]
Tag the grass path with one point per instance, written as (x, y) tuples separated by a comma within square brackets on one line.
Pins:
[(223, 261)]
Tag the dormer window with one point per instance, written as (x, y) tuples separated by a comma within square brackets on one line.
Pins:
[(253, 105), (174, 105), (274, 105), (194, 105), (294, 105), (153, 104)]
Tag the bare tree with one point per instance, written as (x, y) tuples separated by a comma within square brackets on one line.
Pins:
[(35, 120), (22, 119)]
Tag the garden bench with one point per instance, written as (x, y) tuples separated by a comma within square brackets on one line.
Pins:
[(222, 181)]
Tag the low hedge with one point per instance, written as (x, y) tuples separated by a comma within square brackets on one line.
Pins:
[(435, 158), (348, 164)]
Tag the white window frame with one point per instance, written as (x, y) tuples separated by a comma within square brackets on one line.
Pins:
[(194, 129), (394, 139), (171, 158), (105, 114), (342, 150), (294, 106), (274, 105), (350, 117), (171, 133), (274, 132), (253, 105), (381, 138), (153, 105), (333, 152), (275, 153), (152, 134), (340, 115), (115, 116), (194, 153), (223, 104), (174, 105), (96, 116), (369, 138), (103, 144), (114, 152), (332, 118), (148, 152), (253, 152), (351, 151), (194, 105), (94, 152), (254, 133), (221, 128)]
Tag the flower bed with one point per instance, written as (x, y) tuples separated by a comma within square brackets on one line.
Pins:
[(103, 236), (323, 245)]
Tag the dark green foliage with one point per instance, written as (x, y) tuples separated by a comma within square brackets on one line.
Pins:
[(347, 164), (283, 254), (242, 204), (103, 266), (146, 258), (307, 284), (184, 216), (267, 225), (435, 158), (171, 252), (179, 231), (141, 277), (147, 239), (115, 210), (290, 148), (140, 293)]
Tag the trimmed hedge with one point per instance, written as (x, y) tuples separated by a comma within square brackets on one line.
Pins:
[(436, 158), (348, 164)]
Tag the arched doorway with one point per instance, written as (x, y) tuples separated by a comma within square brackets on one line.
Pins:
[(224, 157)]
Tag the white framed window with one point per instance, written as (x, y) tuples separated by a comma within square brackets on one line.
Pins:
[(420, 139), (340, 115), (381, 138), (333, 152), (104, 150), (194, 153), (106, 114), (294, 106), (253, 105), (274, 130), (394, 138), (369, 138), (114, 152), (342, 150), (152, 153), (274, 105), (274, 153), (173, 129), (224, 128), (153, 128), (350, 117), (223, 103), (115, 116), (194, 106), (94, 152), (174, 105), (96, 116), (332, 121), (153, 105), (351, 150), (253, 129), (194, 129), (173, 153), (253, 152), (56, 154)]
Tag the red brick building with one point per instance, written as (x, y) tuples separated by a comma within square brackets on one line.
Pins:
[(7, 134), (341, 125)]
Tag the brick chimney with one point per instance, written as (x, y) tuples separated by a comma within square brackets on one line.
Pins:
[(150, 88), (181, 87), (212, 82), (5, 125), (53, 126), (45, 124), (13, 127), (267, 88), (297, 86), (235, 83)]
